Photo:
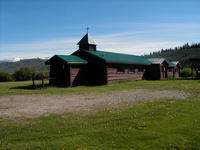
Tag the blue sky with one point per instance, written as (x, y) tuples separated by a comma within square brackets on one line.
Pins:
[(42, 28)]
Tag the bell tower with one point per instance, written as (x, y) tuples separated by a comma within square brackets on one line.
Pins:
[(87, 42)]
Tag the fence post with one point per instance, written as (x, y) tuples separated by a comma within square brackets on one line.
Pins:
[(192, 73), (42, 82), (33, 79)]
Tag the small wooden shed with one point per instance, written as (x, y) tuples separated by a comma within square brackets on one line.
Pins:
[(66, 70), (163, 69), (158, 69)]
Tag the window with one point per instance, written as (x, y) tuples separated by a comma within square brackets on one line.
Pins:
[(131, 70), (170, 70), (162, 69), (120, 70), (140, 70)]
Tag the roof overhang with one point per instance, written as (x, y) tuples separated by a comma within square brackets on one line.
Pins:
[(77, 63), (127, 63), (69, 59)]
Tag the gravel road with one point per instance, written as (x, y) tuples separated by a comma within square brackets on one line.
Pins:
[(38, 105)]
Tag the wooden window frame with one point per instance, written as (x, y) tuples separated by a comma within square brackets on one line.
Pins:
[(131, 70), (170, 70), (176, 70), (120, 70), (140, 70), (162, 68)]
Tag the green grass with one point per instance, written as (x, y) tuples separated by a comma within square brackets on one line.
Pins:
[(166, 124), (18, 88)]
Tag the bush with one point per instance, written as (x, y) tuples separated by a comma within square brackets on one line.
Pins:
[(186, 72), (4, 76), (24, 73), (46, 74)]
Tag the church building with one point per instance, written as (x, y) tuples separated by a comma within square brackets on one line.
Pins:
[(89, 66)]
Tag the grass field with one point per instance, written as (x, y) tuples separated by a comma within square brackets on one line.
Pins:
[(165, 124), (18, 88)]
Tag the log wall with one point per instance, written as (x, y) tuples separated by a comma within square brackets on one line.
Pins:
[(113, 74), (74, 75), (177, 72), (173, 72), (170, 74), (77, 75)]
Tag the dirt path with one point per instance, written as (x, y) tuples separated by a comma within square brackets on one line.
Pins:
[(37, 105)]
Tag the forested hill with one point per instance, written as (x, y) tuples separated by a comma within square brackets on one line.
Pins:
[(182, 54), (13, 66)]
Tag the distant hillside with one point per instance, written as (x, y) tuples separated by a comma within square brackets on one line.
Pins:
[(13, 66), (182, 54)]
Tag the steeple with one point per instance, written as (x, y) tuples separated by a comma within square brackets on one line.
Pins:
[(87, 43)]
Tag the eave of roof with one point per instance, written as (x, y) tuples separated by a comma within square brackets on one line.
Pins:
[(171, 64), (175, 62), (71, 59)]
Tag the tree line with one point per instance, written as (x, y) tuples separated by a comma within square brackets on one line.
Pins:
[(179, 48), (23, 74)]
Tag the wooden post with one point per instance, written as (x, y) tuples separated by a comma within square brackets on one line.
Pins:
[(192, 73), (42, 82), (70, 80), (196, 73), (33, 79)]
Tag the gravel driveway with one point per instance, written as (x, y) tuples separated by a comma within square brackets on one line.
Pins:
[(37, 105)]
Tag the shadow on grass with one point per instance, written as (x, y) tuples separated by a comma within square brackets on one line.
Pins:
[(31, 87)]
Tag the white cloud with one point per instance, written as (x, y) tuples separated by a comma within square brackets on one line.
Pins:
[(138, 48), (127, 42)]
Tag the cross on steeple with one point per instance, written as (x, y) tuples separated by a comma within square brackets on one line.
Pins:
[(87, 29)]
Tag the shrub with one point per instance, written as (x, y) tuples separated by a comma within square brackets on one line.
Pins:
[(4, 76), (186, 72), (46, 74), (24, 73)]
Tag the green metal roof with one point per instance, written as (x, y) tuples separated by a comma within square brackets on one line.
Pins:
[(171, 64), (160, 60), (156, 60), (119, 58), (175, 62), (68, 59), (87, 39)]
